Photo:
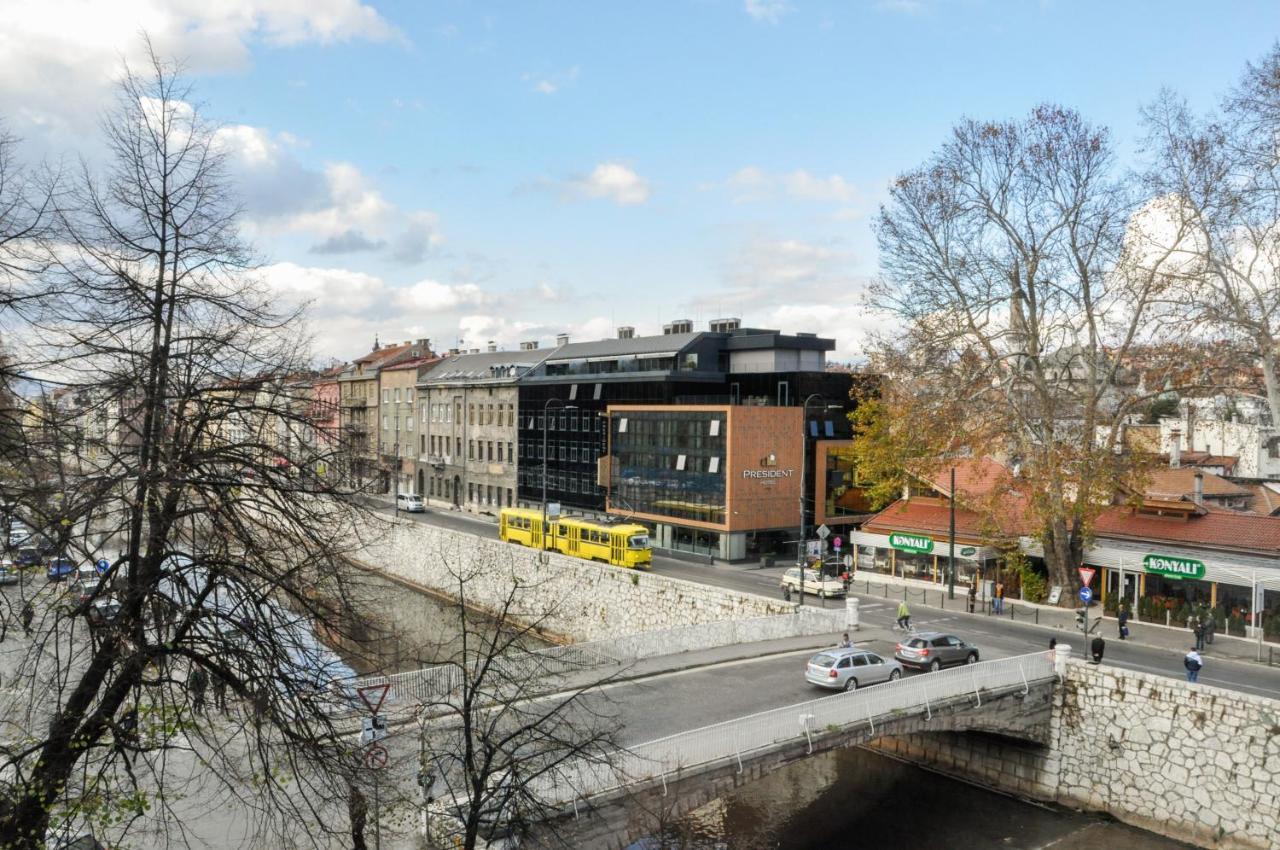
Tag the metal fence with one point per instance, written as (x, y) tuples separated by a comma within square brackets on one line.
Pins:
[(735, 739)]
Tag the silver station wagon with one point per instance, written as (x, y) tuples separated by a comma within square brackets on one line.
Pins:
[(850, 669)]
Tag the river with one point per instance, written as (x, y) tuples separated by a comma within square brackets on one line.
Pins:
[(857, 798)]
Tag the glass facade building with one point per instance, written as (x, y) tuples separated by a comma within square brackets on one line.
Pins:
[(670, 464)]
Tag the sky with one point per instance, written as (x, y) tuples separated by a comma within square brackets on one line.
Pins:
[(473, 172)]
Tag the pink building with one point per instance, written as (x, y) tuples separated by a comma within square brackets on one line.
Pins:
[(324, 406)]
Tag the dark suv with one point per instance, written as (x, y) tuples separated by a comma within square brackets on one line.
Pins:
[(934, 650)]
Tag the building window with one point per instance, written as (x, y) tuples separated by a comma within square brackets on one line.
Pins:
[(715, 427), (510, 459), (386, 396), (471, 449), (573, 452), (408, 423), (509, 501), (471, 414), (500, 453), (457, 446), (384, 423), (488, 496), (408, 395), (490, 457), (713, 465), (397, 395)]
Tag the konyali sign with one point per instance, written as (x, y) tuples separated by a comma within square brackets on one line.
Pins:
[(1171, 567), (913, 543)]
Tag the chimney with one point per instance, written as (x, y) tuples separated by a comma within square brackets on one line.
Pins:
[(1197, 494), (725, 325), (530, 345), (626, 332), (562, 339), (493, 346), (678, 326), (1175, 449), (425, 345)]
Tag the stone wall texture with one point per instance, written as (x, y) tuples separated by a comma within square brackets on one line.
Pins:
[(580, 600), (1192, 762)]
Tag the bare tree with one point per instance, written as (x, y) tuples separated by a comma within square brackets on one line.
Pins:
[(1008, 260), (516, 720), (172, 442), (1217, 184)]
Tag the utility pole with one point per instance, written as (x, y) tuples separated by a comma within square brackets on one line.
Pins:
[(804, 462), (951, 542)]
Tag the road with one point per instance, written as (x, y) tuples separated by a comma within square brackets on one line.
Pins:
[(996, 637)]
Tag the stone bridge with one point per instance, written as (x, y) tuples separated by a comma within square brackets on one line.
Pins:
[(653, 783)]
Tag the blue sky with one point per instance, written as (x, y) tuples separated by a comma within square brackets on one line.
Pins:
[(506, 171)]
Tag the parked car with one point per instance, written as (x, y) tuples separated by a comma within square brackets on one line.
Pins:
[(60, 568), (934, 650), (86, 588), (410, 503), (28, 556), (815, 583), (103, 611), (9, 572), (850, 669)]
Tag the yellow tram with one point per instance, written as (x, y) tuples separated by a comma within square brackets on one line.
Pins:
[(620, 544)]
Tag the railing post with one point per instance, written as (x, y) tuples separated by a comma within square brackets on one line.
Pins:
[(1026, 688), (974, 676)]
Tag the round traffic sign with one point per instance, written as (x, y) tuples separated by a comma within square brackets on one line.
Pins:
[(1085, 594), (375, 758), (103, 565), (836, 542)]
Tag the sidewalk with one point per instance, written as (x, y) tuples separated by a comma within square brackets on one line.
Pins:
[(1158, 636)]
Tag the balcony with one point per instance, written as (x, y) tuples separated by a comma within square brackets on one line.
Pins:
[(355, 402)]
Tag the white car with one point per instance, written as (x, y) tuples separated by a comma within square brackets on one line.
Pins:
[(410, 503), (815, 583)]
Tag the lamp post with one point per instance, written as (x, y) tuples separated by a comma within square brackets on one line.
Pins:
[(951, 541), (804, 462), (546, 407)]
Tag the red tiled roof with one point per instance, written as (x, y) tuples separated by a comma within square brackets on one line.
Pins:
[(1225, 529), (1189, 457), (933, 517), (1180, 483), (384, 354), (413, 364), (975, 476)]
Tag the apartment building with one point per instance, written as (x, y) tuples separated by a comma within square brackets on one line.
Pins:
[(358, 407), (397, 418)]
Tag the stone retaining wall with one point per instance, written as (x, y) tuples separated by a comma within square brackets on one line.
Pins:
[(1192, 762), (580, 600)]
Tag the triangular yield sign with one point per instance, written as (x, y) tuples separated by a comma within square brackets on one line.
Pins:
[(373, 695), (1086, 575)]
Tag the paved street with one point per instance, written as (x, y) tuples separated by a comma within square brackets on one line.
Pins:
[(997, 637)]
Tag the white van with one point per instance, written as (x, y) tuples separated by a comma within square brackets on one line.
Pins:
[(409, 502)]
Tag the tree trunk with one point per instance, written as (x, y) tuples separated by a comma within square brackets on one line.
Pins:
[(1061, 554), (1271, 380), (358, 809)]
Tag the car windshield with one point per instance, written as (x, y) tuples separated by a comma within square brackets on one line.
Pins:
[(638, 541), (917, 642), (823, 660)]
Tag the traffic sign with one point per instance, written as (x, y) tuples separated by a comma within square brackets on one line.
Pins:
[(848, 562), (837, 542), (1086, 595), (373, 729), (373, 695), (1086, 575), (376, 757), (103, 565), (823, 532)]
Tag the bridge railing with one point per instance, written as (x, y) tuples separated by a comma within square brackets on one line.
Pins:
[(743, 736), (432, 683)]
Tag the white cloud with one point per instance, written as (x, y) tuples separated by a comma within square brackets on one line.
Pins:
[(332, 292), (339, 206), (59, 57), (766, 11), (553, 82), (755, 184), (612, 181), (432, 296)]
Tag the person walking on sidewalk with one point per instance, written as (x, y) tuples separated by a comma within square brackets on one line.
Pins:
[(973, 595), (845, 643), (28, 614), (1198, 631), (1096, 648), (198, 682), (1193, 662), (1122, 617), (904, 616), (997, 602), (1210, 626)]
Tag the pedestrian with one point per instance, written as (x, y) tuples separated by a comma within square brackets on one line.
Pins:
[(786, 593), (973, 595), (28, 614), (198, 682), (1096, 648), (1198, 631), (998, 602), (1210, 627), (219, 692), (904, 616), (1193, 662), (1123, 619), (1053, 644), (845, 643)]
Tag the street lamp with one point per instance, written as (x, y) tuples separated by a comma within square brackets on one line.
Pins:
[(545, 421), (804, 462)]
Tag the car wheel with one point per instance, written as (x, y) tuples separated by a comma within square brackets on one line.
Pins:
[(935, 665), (971, 658), (851, 685), (895, 675)]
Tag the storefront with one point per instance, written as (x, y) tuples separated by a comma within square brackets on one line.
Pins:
[(922, 555)]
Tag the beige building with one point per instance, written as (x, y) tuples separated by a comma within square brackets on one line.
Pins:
[(397, 421), (358, 407), (467, 431)]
